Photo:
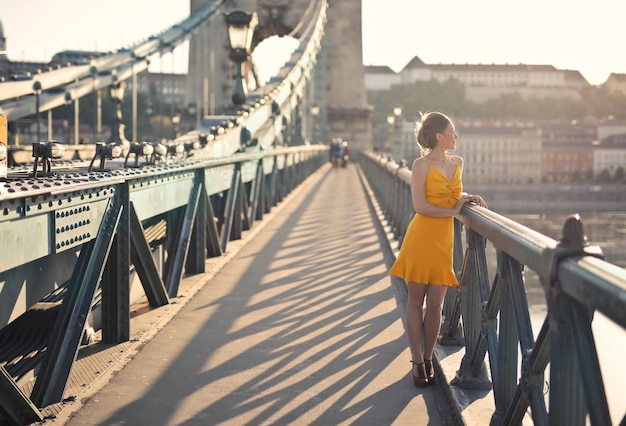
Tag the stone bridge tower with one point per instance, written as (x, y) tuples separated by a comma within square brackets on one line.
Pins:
[(344, 106)]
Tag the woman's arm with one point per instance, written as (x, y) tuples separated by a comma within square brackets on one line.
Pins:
[(418, 192), (476, 199)]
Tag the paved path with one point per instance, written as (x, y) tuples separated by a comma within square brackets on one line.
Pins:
[(302, 326)]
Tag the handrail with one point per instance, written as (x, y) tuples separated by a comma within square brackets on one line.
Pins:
[(496, 319), (246, 161), (198, 207)]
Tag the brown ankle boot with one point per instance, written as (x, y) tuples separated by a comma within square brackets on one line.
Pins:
[(430, 373), (419, 374)]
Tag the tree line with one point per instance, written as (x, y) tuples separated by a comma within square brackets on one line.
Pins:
[(449, 97)]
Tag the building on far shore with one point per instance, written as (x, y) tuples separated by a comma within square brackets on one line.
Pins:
[(484, 81), (514, 152), (499, 152), (380, 77), (567, 150), (616, 83), (609, 156)]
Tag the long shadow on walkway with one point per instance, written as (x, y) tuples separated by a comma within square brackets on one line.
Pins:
[(301, 327)]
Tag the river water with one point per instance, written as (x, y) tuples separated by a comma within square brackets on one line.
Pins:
[(604, 229), (608, 231)]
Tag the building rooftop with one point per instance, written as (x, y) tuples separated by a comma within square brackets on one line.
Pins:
[(378, 69)]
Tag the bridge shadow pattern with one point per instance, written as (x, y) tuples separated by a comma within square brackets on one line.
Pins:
[(303, 326)]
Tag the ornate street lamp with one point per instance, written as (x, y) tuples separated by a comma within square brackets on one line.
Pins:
[(241, 27)]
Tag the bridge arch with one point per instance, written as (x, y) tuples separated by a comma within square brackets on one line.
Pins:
[(340, 80)]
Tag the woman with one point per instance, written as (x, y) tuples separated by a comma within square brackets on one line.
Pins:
[(425, 258)]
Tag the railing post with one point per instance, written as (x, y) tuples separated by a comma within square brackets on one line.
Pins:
[(401, 198), (473, 274), (574, 288), (567, 402), (451, 333), (505, 376), (389, 194), (116, 283)]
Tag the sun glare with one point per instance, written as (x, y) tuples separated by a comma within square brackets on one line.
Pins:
[(271, 54)]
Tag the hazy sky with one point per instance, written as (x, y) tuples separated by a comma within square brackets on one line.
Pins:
[(583, 36)]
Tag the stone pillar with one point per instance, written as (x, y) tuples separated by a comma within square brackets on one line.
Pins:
[(345, 108), (209, 76), (349, 116), (208, 71)]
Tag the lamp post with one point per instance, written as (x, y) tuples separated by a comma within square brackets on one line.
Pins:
[(149, 116), (37, 90), (396, 148), (191, 111), (76, 120), (68, 102), (315, 112), (96, 93), (390, 121), (116, 90), (241, 27), (176, 123)]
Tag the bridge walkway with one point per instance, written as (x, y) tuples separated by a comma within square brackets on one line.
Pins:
[(299, 323)]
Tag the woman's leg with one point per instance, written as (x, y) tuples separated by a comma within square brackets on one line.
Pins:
[(432, 320), (414, 319)]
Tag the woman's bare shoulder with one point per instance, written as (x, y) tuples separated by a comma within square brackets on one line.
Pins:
[(420, 162), (457, 159), (420, 168)]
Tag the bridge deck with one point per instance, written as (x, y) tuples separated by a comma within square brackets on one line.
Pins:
[(300, 324)]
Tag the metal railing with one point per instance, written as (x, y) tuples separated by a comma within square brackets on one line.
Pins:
[(156, 223), (80, 237), (494, 319)]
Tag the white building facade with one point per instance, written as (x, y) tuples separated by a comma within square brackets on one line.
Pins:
[(380, 78), (499, 153)]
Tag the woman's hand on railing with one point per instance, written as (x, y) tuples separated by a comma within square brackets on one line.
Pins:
[(468, 198), (478, 200)]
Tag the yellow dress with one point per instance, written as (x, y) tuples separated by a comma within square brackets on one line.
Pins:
[(426, 253)]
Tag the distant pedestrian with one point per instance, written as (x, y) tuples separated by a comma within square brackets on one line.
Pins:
[(336, 152), (425, 258), (346, 154)]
